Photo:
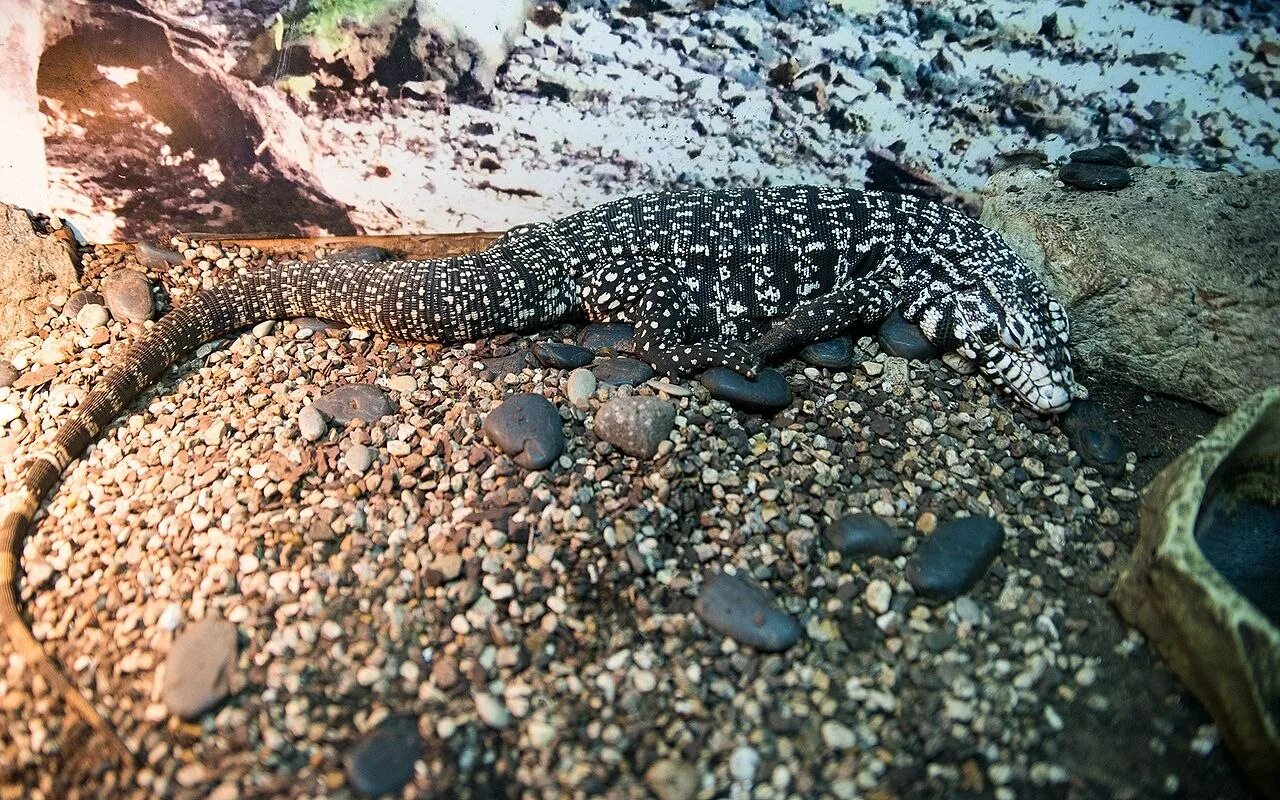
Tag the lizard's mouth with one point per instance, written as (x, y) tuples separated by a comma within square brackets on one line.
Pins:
[(1045, 389)]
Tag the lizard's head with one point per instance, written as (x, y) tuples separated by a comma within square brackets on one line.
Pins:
[(1014, 334)]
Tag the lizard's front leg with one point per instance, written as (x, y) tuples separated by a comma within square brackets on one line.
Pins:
[(662, 319)]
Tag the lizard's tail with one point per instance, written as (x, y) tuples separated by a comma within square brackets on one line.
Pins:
[(205, 316)]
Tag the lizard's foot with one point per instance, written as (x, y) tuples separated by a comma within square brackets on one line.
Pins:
[(687, 359)]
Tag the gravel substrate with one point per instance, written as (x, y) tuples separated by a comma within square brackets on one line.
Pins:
[(540, 626)]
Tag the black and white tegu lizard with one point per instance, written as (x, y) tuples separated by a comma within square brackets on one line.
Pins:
[(730, 278)]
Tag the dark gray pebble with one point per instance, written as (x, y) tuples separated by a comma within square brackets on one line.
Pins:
[(899, 337), (127, 294), (317, 325), (1110, 154), (622, 371), (612, 336), (356, 401), (949, 563), (382, 761), (562, 356), (365, 252), (1094, 436), (863, 535), (526, 427), (155, 258), (81, 299), (635, 425), (502, 366), (745, 612), (831, 354), (1093, 177), (768, 392)]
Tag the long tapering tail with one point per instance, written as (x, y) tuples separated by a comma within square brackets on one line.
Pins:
[(520, 282), (205, 316)]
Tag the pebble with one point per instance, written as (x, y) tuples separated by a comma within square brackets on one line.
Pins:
[(317, 325), (382, 761), (526, 427), (837, 736), (743, 763), (404, 384), (264, 328), (1094, 436), (491, 711), (671, 779), (878, 594), (127, 294), (364, 252), (558, 355), (768, 392), (311, 424), (8, 374), (745, 612), (355, 401), (635, 425), (622, 371), (9, 412), (831, 354), (358, 458), (872, 368), (863, 535), (199, 666), (498, 368), (606, 336), (580, 387), (1093, 177), (79, 300), (1110, 154), (952, 560), (899, 337)]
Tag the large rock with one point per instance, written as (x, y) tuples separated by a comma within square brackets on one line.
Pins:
[(33, 266), (1171, 283)]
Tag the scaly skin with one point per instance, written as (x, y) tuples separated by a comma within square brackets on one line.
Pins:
[(708, 278)]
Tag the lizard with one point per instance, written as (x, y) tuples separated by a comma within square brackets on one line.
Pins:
[(709, 278)]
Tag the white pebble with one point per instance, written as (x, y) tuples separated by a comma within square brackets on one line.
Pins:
[(743, 763), (878, 594), (170, 617)]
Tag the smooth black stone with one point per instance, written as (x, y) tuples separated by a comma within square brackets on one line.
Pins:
[(831, 354), (502, 366), (745, 612), (562, 356), (899, 337), (1094, 436), (1239, 536), (768, 392), (622, 371), (382, 761), (1111, 154), (863, 535), (1094, 177), (318, 325), (612, 336), (1103, 449), (365, 252), (952, 560), (357, 401), (526, 427)]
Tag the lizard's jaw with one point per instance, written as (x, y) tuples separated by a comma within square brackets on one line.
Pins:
[(1045, 389)]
